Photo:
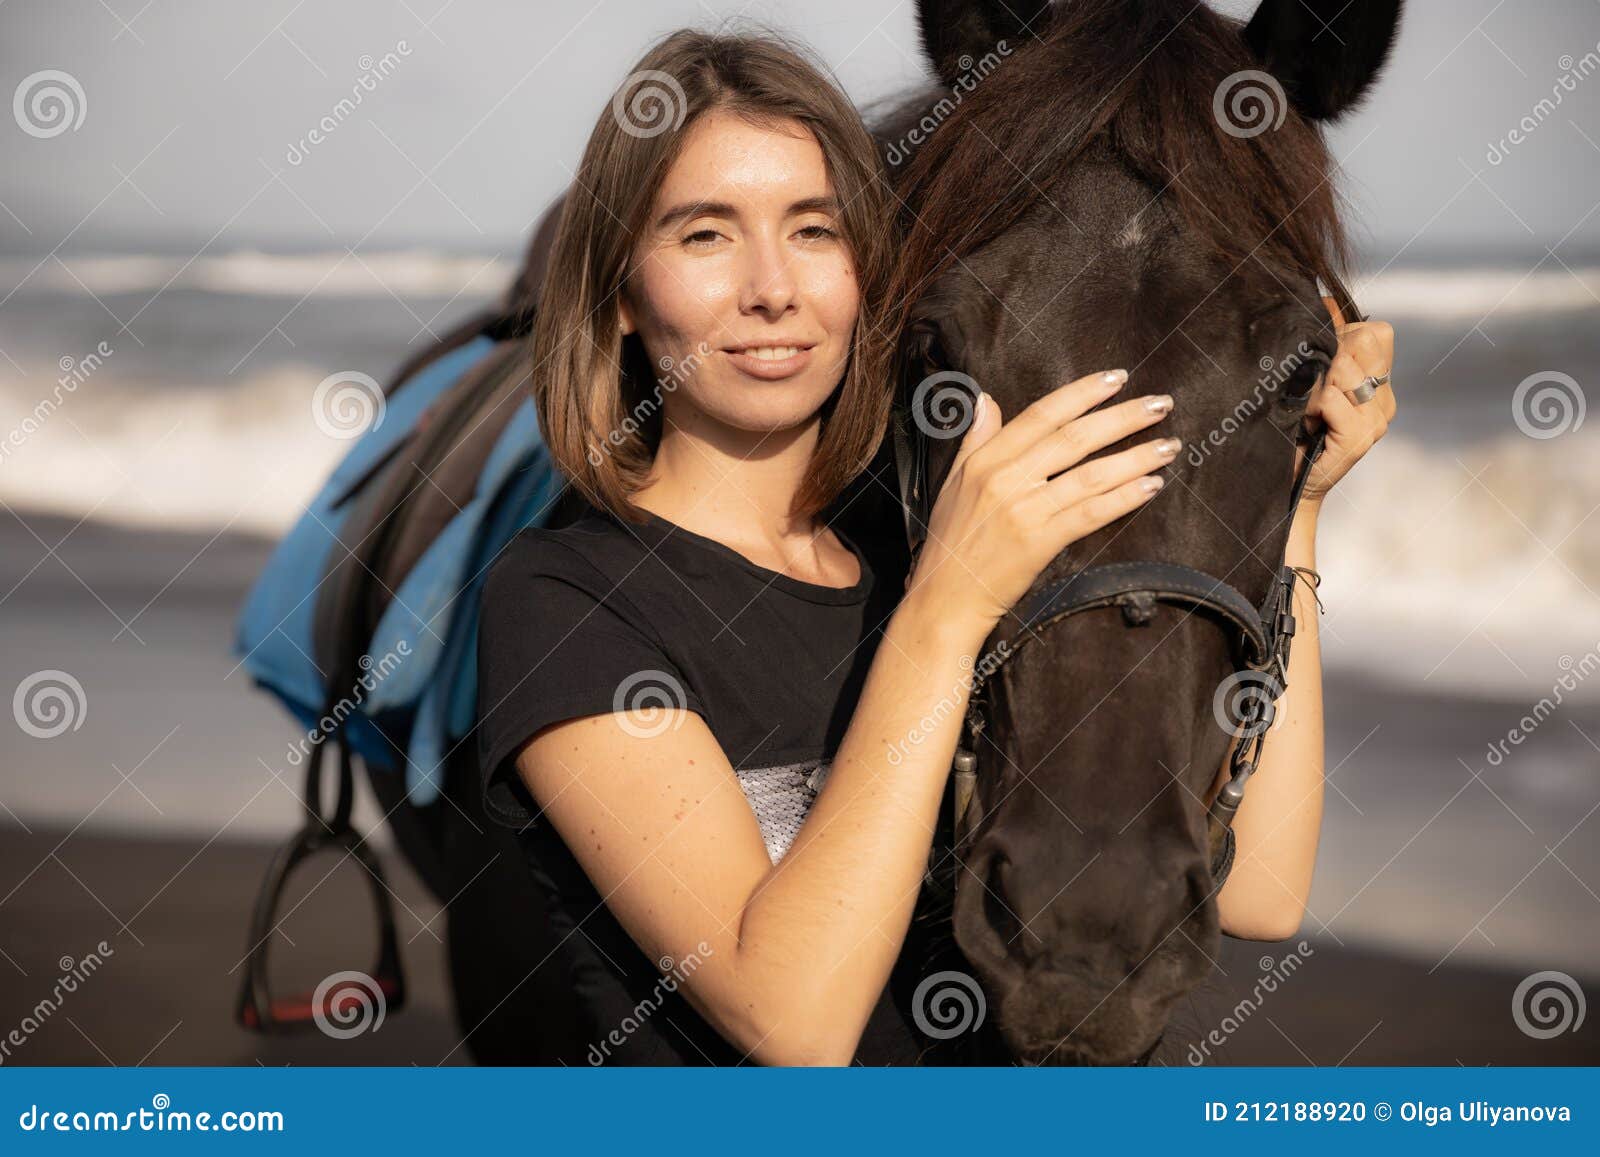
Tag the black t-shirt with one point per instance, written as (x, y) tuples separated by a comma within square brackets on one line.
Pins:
[(603, 615)]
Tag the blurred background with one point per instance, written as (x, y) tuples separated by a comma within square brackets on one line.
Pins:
[(182, 261)]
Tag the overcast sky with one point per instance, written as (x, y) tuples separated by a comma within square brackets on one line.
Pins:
[(192, 109)]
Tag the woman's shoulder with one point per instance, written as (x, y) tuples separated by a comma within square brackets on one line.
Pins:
[(590, 548), (550, 586), (585, 572)]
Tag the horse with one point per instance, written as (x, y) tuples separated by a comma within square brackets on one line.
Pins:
[(1107, 183), (1139, 184)]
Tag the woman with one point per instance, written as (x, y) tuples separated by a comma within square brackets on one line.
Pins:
[(706, 617)]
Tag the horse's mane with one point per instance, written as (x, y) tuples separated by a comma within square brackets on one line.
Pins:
[(1139, 78)]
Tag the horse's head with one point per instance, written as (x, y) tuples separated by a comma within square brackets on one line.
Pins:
[(1135, 183)]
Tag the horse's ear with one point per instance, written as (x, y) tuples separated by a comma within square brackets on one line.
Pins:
[(953, 29), (1326, 53), (925, 346)]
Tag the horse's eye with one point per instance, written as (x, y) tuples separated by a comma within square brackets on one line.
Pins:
[(1298, 385)]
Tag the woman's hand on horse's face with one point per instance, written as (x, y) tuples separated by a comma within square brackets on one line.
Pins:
[(1366, 349), (1019, 492)]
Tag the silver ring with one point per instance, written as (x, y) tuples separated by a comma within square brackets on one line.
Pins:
[(1368, 388)]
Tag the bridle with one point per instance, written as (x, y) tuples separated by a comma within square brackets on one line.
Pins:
[(1261, 641)]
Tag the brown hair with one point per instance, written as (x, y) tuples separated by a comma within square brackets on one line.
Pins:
[(589, 381)]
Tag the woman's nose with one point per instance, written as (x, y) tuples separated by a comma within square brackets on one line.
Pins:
[(769, 283)]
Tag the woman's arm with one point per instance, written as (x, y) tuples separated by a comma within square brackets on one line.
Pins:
[(792, 957), (836, 910), (1278, 823)]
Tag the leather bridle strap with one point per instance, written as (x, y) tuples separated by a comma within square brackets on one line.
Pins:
[(1263, 634), (911, 473), (1136, 587)]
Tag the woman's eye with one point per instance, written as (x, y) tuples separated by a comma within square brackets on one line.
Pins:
[(701, 237)]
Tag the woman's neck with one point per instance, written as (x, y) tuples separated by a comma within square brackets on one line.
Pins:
[(737, 488)]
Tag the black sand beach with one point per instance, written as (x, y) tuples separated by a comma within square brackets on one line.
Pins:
[(1442, 883), (174, 914)]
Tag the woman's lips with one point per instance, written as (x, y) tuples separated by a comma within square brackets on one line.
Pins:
[(770, 369)]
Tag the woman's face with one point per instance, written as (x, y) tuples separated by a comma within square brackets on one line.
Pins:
[(742, 279)]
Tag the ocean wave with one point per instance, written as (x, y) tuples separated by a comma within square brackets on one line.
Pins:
[(1436, 292), (407, 273), (1454, 294), (204, 458), (1473, 568)]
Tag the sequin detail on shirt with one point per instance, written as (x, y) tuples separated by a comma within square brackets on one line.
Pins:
[(781, 797)]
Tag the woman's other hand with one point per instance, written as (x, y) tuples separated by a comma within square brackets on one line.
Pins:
[(1366, 349)]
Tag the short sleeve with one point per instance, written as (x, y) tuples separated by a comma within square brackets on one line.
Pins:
[(557, 641)]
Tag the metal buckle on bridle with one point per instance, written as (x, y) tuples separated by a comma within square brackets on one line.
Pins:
[(1259, 713)]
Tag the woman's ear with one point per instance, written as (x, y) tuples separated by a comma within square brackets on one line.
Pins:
[(624, 314)]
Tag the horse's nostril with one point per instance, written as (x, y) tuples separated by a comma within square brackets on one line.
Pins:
[(996, 903)]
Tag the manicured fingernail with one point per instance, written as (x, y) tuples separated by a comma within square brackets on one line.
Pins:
[(1114, 377), (1158, 403), (1170, 447), (1150, 483)]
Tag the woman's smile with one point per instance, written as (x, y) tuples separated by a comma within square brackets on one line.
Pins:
[(770, 363)]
